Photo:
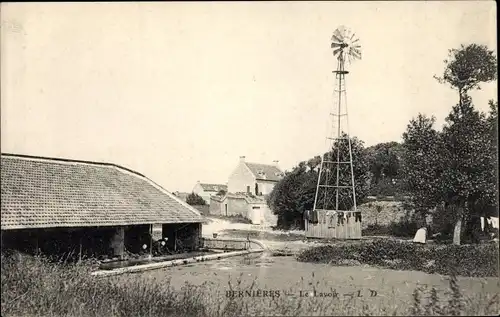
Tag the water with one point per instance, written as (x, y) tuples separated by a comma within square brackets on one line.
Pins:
[(287, 274)]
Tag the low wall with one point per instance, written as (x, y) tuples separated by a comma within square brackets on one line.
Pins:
[(225, 244)]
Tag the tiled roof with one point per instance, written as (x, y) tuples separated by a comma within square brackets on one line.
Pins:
[(213, 187), (46, 192), (265, 172)]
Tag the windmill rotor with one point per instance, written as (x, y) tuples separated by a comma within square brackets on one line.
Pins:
[(345, 45)]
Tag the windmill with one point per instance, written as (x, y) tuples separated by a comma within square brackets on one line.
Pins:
[(335, 190)]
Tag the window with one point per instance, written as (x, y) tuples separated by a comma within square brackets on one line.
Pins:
[(255, 207), (248, 189)]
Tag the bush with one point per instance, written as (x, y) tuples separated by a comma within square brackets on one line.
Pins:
[(404, 229), (465, 260), (195, 200)]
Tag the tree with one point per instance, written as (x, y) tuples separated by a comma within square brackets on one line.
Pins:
[(468, 182), (467, 67), (195, 200), (221, 192), (421, 164), (384, 163), (295, 193)]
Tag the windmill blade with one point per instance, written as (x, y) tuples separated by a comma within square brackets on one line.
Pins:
[(337, 34), (356, 54), (337, 38), (347, 34), (336, 51), (334, 45)]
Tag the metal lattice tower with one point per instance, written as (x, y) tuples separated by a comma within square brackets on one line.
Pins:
[(335, 189)]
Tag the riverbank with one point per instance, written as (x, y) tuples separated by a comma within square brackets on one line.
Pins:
[(480, 260), (33, 287)]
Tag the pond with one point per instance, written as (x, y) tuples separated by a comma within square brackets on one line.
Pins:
[(288, 275)]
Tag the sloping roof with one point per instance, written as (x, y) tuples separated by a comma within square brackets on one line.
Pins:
[(46, 192), (213, 187), (265, 172)]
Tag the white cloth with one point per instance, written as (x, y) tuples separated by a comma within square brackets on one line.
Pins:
[(420, 236), (493, 221)]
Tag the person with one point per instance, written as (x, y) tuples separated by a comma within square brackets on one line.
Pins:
[(144, 248), (160, 246)]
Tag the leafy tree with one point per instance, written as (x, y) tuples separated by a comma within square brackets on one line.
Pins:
[(422, 164), (221, 192), (468, 182), (467, 67), (384, 160), (467, 134), (292, 196), (296, 192), (195, 200)]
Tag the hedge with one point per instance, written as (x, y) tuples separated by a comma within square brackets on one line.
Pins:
[(464, 260)]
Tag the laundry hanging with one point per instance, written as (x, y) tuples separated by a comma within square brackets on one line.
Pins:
[(358, 216), (307, 215), (331, 219), (314, 217)]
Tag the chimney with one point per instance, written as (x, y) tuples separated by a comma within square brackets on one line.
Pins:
[(242, 159)]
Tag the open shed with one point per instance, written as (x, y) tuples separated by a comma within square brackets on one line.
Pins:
[(53, 205)]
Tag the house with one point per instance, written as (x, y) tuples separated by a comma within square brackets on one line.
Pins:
[(58, 206), (208, 190), (258, 179), (247, 205)]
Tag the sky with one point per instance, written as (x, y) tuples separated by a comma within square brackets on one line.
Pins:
[(179, 91)]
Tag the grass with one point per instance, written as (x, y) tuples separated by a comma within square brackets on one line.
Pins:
[(466, 260), (32, 286)]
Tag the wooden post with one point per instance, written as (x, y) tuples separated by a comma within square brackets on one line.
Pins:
[(175, 241), (151, 240), (80, 251)]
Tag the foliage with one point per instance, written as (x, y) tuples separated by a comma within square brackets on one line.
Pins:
[(402, 229), (221, 192), (384, 160), (422, 164), (469, 179), (465, 260), (296, 192), (469, 66), (385, 187), (195, 200)]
